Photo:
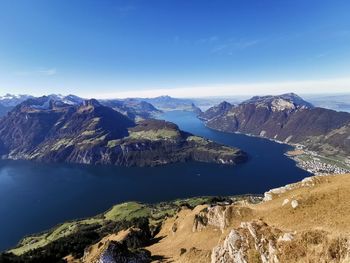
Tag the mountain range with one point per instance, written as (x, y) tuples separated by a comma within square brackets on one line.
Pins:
[(50, 130), (134, 108), (9, 101), (286, 118), (167, 103)]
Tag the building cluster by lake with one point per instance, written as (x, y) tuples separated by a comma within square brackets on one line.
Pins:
[(317, 167), (316, 164)]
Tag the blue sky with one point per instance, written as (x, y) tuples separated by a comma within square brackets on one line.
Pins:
[(183, 48)]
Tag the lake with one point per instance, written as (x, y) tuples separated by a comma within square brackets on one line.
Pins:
[(35, 197)]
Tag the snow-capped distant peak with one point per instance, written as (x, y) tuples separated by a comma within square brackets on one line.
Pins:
[(11, 100), (69, 99)]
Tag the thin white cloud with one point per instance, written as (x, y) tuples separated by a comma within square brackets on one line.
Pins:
[(48, 72), (208, 40), (38, 72), (321, 55), (126, 8), (258, 88), (232, 45)]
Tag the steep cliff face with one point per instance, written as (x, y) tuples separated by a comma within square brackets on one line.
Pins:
[(289, 119), (47, 130)]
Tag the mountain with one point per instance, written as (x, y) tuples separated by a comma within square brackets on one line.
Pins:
[(69, 99), (215, 111), (243, 229), (47, 130), (280, 102), (286, 118), (167, 103), (4, 110), (133, 108), (208, 102), (9, 101)]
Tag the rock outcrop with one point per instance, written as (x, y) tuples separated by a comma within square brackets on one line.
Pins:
[(219, 216), (306, 182), (251, 242), (258, 242)]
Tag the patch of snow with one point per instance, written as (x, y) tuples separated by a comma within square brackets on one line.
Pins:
[(10, 100)]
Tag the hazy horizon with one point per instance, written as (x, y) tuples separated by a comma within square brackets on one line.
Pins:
[(316, 94)]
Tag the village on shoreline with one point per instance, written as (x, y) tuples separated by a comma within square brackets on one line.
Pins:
[(316, 164)]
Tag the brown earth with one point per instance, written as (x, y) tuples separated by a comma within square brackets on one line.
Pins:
[(320, 225)]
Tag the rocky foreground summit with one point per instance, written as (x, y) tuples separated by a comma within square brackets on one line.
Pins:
[(303, 222), (48, 130)]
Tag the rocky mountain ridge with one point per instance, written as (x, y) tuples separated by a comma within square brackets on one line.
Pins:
[(10, 100), (135, 108), (286, 118), (47, 130), (215, 111), (132, 108)]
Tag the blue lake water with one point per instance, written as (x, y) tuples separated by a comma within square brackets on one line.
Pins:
[(35, 197)]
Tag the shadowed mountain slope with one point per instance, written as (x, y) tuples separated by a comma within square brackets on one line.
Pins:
[(52, 131), (286, 118)]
